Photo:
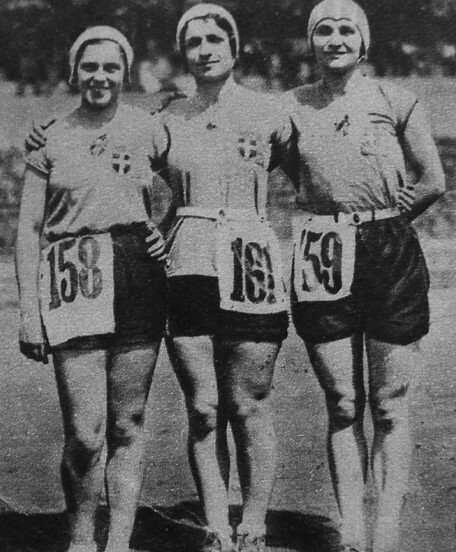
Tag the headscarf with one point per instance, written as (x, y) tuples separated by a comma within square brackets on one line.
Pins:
[(100, 32), (201, 11), (339, 9)]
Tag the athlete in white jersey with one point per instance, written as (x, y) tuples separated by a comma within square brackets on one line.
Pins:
[(227, 310), (360, 278), (97, 301)]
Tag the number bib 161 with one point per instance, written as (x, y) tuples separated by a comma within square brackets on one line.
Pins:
[(324, 258), (249, 268), (77, 287)]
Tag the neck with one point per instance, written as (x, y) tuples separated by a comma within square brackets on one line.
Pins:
[(95, 117), (209, 92), (339, 83)]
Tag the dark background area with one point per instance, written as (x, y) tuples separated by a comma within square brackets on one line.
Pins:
[(408, 36)]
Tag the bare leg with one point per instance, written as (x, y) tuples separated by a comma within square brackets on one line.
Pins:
[(130, 374), (193, 362), (339, 369), (81, 383), (245, 380), (390, 368)]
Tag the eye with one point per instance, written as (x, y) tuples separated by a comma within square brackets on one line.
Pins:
[(324, 30), (112, 67), (347, 30), (193, 42), (214, 39), (89, 67)]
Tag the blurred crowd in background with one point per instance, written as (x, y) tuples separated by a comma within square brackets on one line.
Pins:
[(410, 37)]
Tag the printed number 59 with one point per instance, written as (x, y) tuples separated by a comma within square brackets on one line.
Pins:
[(88, 280), (324, 252)]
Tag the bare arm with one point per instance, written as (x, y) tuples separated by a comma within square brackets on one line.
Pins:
[(31, 336), (421, 152)]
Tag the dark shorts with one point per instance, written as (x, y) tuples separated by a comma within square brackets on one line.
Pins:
[(194, 309), (139, 295), (389, 299)]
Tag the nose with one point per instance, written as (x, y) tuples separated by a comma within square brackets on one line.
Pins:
[(335, 40), (99, 75), (205, 49)]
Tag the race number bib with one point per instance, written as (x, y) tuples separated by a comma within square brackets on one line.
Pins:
[(324, 258), (249, 268), (77, 287)]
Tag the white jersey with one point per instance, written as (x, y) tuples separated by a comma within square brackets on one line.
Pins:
[(99, 178), (220, 159)]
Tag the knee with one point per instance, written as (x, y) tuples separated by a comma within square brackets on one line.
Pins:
[(202, 415), (389, 407), (84, 445), (345, 410), (249, 406), (125, 429)]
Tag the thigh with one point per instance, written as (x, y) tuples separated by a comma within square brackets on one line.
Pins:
[(81, 384), (338, 366), (245, 368), (391, 368), (193, 362), (129, 378)]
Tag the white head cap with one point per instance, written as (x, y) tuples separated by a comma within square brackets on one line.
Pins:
[(100, 32), (339, 9), (202, 11)]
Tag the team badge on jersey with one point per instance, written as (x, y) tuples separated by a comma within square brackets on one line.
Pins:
[(251, 147), (121, 161)]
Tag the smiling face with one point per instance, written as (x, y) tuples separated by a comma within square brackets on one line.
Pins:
[(207, 50), (337, 44), (100, 74)]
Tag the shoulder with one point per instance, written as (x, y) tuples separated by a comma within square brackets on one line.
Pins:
[(305, 95), (164, 99), (400, 99)]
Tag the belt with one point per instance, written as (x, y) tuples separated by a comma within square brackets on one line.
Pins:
[(219, 213), (357, 217)]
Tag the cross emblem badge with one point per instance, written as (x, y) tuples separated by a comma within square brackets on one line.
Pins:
[(251, 148), (121, 162)]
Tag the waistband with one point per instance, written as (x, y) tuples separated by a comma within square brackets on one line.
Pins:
[(220, 213), (355, 218)]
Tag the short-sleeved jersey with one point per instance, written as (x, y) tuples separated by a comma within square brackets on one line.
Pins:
[(101, 178), (220, 159), (349, 149)]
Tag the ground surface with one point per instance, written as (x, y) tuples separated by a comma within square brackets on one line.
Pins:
[(302, 506)]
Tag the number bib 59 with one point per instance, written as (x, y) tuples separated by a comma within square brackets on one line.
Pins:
[(324, 258), (77, 287), (249, 268)]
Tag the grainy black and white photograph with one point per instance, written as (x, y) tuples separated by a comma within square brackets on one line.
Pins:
[(227, 275)]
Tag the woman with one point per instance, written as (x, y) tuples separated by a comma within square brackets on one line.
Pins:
[(97, 300), (227, 312), (360, 278)]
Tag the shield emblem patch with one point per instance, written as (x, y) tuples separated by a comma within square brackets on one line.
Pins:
[(121, 162)]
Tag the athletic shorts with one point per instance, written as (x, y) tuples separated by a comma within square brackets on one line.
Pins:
[(194, 309), (139, 295), (389, 294)]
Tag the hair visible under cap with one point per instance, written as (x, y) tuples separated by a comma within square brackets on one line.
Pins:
[(340, 9), (94, 35), (220, 15)]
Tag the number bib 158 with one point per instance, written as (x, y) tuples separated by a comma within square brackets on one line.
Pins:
[(249, 268), (77, 287), (324, 258)]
